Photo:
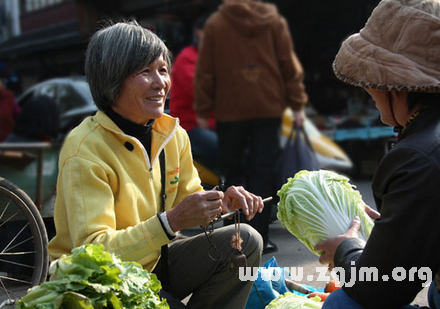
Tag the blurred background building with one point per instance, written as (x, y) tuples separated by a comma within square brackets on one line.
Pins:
[(42, 39)]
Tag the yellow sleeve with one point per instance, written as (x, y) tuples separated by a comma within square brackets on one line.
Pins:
[(85, 213)]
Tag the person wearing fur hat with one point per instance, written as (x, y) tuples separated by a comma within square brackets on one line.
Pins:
[(396, 59)]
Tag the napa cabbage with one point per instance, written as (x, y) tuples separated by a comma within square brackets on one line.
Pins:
[(316, 205), (293, 301)]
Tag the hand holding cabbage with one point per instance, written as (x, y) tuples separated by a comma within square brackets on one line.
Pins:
[(317, 205)]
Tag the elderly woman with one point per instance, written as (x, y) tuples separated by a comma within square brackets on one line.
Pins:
[(396, 59), (127, 179)]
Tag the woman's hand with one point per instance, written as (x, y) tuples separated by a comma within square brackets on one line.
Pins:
[(299, 117), (373, 214), (238, 197), (196, 209), (328, 247)]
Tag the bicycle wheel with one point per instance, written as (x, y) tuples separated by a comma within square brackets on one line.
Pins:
[(24, 260)]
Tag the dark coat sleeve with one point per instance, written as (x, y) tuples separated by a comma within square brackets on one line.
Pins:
[(402, 252)]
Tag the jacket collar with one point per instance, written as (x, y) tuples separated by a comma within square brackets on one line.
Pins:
[(164, 128), (426, 116), (165, 125)]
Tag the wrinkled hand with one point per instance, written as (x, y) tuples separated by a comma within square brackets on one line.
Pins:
[(196, 209), (328, 247), (203, 123), (238, 197)]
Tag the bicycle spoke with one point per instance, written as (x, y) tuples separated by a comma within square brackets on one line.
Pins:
[(17, 264), (10, 217), (4, 252), (13, 279), (4, 210), (18, 253), (4, 288), (13, 239)]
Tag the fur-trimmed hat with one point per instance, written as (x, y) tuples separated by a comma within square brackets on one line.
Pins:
[(398, 48)]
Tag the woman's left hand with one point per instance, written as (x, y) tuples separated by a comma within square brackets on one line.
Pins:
[(373, 214), (328, 247), (238, 197)]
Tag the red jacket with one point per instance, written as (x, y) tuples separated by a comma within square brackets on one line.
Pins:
[(8, 113), (182, 89)]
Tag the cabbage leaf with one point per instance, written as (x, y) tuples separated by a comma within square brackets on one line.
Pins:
[(317, 205), (293, 301)]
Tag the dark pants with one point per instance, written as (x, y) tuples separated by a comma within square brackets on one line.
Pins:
[(196, 268), (249, 152)]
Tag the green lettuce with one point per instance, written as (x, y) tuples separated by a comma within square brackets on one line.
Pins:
[(317, 205), (293, 301), (92, 278)]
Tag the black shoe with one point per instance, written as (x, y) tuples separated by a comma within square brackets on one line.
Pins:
[(269, 247)]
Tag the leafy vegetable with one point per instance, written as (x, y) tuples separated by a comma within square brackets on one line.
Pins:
[(92, 278), (316, 205), (293, 301)]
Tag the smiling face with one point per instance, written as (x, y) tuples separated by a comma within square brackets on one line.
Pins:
[(142, 95)]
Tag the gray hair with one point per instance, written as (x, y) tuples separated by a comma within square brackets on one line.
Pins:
[(114, 53)]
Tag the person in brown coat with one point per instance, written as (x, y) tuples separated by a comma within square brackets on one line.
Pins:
[(248, 73)]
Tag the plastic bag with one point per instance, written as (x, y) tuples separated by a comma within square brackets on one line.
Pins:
[(264, 291), (297, 155)]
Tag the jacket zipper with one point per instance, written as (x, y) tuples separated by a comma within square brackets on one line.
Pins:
[(147, 159), (161, 149)]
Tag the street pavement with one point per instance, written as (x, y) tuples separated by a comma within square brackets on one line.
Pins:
[(292, 253)]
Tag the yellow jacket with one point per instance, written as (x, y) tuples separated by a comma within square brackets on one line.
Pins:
[(109, 191)]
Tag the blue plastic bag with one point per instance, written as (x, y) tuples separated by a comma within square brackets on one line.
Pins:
[(264, 291)]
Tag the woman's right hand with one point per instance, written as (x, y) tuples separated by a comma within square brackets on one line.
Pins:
[(196, 209)]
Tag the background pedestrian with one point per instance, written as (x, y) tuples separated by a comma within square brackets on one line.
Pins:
[(247, 74)]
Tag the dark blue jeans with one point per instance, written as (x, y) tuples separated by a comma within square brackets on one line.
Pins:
[(249, 152)]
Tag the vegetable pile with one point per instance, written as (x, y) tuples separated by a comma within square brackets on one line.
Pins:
[(317, 205), (294, 301), (93, 278)]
